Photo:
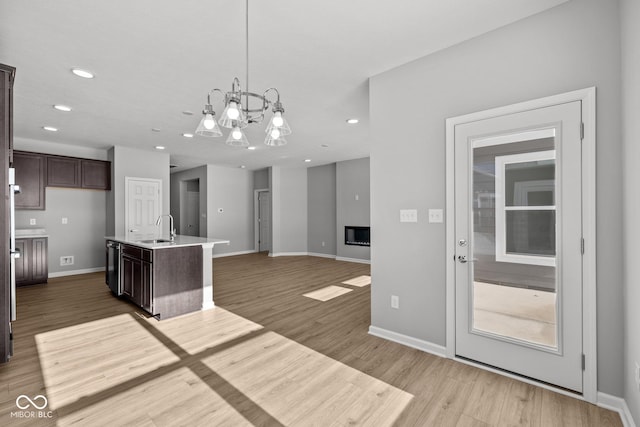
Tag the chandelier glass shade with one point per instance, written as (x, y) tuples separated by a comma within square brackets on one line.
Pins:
[(238, 115)]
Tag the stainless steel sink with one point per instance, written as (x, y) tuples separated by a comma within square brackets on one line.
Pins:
[(155, 241)]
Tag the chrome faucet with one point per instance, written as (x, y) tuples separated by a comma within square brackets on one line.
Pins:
[(172, 231)]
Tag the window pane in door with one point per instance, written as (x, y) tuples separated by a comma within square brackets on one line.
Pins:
[(531, 232), (515, 299)]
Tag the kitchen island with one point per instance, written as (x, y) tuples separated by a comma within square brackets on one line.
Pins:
[(166, 277)]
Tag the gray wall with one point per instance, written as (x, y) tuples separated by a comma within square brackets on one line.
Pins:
[(177, 179), (630, 13), (353, 205), (572, 46), (83, 235), (261, 179), (288, 210), (130, 162), (230, 189), (293, 210), (321, 209)]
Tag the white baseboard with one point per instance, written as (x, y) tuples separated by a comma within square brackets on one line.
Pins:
[(271, 254), (361, 261), (618, 405), (252, 251), (425, 346), (76, 272), (319, 255)]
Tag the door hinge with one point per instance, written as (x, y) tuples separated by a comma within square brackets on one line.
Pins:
[(581, 131), (582, 246), (584, 362)]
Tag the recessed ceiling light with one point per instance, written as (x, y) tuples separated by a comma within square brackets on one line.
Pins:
[(50, 128), (187, 113), (187, 135), (62, 108), (324, 146), (159, 147), (307, 160), (155, 129), (251, 148), (82, 73), (352, 121)]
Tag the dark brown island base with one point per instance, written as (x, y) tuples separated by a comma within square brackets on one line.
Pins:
[(165, 277)]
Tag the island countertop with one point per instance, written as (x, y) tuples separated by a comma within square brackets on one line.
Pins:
[(166, 242)]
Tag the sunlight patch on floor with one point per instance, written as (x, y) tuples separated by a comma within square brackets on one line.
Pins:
[(325, 294), (158, 402), (194, 332), (205, 368), (359, 281), (88, 358), (299, 386)]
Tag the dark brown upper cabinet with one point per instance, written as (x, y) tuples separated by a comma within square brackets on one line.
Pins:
[(30, 176), (35, 171), (63, 172), (96, 174)]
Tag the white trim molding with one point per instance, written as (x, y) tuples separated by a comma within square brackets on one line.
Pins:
[(412, 342), (319, 255), (358, 260), (76, 272), (271, 254), (587, 97), (618, 405)]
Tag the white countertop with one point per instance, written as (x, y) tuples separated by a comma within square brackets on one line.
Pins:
[(31, 232), (179, 241)]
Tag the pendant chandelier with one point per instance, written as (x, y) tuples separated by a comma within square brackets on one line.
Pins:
[(238, 115)]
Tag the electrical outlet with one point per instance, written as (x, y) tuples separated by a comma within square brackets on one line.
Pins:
[(66, 260), (395, 301), (323, 244), (32, 221), (65, 220), (435, 215)]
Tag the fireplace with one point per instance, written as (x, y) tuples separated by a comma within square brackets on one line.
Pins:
[(357, 236)]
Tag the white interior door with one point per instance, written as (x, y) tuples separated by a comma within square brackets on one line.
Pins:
[(264, 220), (143, 203), (518, 231)]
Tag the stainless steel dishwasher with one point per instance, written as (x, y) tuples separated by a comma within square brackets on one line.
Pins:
[(113, 267)]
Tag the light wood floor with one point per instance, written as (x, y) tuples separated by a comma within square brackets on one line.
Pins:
[(266, 355)]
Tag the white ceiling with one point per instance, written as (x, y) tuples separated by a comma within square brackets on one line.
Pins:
[(154, 59)]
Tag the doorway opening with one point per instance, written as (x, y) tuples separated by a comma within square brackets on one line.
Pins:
[(190, 207)]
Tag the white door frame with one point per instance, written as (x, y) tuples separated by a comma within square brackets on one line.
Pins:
[(126, 198), (589, 321)]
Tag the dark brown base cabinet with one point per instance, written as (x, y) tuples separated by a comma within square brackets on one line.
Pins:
[(165, 282), (31, 266), (136, 265)]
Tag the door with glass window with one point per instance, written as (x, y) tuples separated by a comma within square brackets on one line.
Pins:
[(518, 228)]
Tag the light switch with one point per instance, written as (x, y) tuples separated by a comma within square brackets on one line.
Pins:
[(435, 215), (408, 215), (32, 221), (65, 220)]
